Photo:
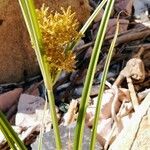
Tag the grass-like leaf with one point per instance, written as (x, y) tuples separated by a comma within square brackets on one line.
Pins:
[(92, 17), (10, 135), (79, 131), (102, 86), (87, 24)]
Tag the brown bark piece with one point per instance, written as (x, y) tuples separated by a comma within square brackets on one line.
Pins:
[(137, 133), (130, 35), (17, 58)]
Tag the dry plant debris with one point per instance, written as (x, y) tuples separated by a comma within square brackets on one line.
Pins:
[(137, 129), (71, 114), (125, 6)]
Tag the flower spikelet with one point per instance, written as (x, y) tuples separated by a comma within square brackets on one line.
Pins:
[(58, 30)]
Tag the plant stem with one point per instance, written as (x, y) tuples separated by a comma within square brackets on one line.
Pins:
[(10, 134), (54, 118), (8, 138), (101, 89), (90, 76), (92, 17), (28, 10), (87, 24)]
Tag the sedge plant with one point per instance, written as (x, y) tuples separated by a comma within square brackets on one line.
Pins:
[(54, 54), (50, 33)]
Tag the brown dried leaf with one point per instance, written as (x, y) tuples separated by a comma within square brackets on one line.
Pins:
[(112, 26), (107, 100), (124, 5)]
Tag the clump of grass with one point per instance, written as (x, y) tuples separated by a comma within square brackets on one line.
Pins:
[(53, 36), (50, 34)]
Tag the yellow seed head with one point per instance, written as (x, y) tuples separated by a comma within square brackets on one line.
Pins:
[(58, 30)]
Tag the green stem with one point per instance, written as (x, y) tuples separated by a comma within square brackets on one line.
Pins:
[(92, 17), (10, 134), (29, 13), (90, 76), (54, 118), (53, 113), (8, 138), (87, 24), (30, 23), (101, 89)]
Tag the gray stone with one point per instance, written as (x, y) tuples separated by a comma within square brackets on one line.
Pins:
[(141, 7), (67, 139)]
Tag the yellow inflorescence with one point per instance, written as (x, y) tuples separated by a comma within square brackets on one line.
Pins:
[(58, 30)]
